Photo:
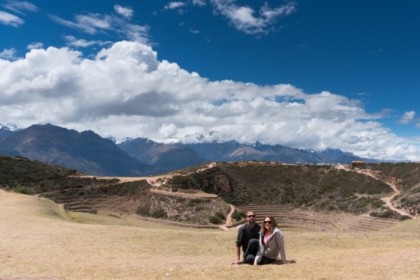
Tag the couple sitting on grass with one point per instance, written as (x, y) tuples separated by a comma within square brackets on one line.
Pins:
[(260, 245)]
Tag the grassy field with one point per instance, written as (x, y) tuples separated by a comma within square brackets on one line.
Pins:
[(38, 240)]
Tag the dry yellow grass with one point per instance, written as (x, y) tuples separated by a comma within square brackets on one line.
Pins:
[(39, 241)]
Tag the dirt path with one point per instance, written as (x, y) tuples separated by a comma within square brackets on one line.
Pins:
[(158, 181), (198, 194), (387, 199), (228, 222), (155, 181)]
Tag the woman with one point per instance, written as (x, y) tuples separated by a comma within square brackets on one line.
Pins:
[(271, 243)]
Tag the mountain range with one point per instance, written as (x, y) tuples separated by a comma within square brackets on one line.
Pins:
[(89, 153)]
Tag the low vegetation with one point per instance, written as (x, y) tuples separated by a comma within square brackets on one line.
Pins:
[(33, 177), (309, 186), (92, 195), (407, 178)]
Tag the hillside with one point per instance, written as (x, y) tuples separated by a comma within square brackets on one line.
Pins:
[(96, 195), (201, 196), (316, 187)]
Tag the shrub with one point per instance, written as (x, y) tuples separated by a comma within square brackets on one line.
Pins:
[(220, 215), (22, 190), (143, 210), (238, 215), (215, 220), (159, 213)]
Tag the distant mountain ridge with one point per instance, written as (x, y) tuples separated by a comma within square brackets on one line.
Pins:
[(89, 153), (162, 157), (6, 130), (85, 151), (234, 151)]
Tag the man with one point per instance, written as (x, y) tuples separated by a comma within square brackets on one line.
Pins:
[(248, 235)]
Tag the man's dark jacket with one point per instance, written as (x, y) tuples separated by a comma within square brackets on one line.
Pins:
[(245, 233)]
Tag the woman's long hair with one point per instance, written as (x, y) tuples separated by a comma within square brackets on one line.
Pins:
[(273, 224)]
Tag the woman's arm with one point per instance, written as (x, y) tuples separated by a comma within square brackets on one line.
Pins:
[(279, 238)]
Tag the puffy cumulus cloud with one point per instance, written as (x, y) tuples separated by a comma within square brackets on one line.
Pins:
[(125, 91), (247, 19)]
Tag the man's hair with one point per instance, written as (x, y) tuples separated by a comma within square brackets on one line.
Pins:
[(249, 212)]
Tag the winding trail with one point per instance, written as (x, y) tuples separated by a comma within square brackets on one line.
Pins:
[(158, 181), (387, 199), (228, 222)]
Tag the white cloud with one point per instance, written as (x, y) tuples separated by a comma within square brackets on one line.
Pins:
[(124, 11), (98, 23), (174, 5), (35, 45), (89, 24), (9, 54), (72, 41), (246, 19), (194, 31), (20, 6), (125, 91), (199, 3), (408, 117), (9, 19)]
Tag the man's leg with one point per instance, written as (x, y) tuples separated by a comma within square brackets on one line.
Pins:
[(251, 251)]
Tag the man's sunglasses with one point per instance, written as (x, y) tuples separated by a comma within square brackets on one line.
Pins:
[(251, 216)]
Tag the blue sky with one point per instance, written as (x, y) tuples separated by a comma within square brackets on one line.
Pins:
[(306, 74)]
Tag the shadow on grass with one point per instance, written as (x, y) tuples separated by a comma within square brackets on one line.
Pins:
[(276, 262)]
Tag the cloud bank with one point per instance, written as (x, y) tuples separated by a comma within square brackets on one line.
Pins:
[(125, 91)]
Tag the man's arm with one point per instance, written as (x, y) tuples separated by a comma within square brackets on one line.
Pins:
[(238, 246), (238, 254)]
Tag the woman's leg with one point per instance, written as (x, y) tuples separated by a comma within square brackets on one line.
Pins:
[(265, 260)]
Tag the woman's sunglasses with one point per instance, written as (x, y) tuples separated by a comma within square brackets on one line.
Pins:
[(267, 222)]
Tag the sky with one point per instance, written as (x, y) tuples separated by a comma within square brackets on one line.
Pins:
[(305, 74)]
